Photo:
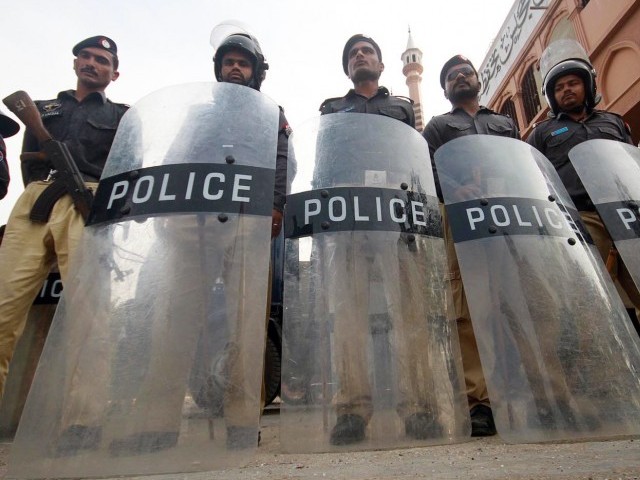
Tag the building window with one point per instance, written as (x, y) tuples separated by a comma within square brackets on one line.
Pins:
[(530, 97), (413, 57), (509, 108)]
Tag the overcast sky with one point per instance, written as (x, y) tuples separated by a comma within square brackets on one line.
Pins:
[(163, 43)]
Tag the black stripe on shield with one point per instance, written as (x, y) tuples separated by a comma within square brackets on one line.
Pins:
[(476, 219), (622, 219), (342, 209), (184, 188)]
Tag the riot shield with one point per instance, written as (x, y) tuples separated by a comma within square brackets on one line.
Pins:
[(369, 357), (609, 171), (559, 356), (180, 225), (27, 354)]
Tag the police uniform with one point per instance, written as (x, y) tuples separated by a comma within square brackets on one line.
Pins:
[(29, 249), (440, 130), (382, 103), (458, 123), (555, 137), (285, 167), (352, 269)]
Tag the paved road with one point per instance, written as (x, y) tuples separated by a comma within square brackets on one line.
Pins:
[(484, 459)]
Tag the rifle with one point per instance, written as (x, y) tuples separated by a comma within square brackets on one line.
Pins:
[(57, 152)]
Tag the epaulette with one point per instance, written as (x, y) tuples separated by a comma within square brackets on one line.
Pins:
[(548, 119), (329, 100), (404, 98), (125, 105)]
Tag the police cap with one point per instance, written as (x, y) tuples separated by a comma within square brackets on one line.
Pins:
[(452, 62), (8, 126), (358, 37), (99, 41)]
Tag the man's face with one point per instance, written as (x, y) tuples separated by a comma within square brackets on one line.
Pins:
[(569, 93), (236, 67), (364, 63), (95, 68), (461, 83)]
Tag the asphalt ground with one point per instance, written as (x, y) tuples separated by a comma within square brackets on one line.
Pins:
[(481, 458)]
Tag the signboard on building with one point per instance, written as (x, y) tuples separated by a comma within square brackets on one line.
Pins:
[(516, 31)]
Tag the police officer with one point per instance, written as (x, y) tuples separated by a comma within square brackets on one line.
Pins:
[(570, 90), (461, 85), (86, 121), (240, 60), (8, 128), (156, 423), (362, 63)]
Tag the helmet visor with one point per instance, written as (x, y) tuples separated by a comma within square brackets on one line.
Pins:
[(225, 29), (558, 52)]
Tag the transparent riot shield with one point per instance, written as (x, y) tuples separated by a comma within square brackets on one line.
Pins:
[(27, 354), (369, 357), (558, 352), (175, 255), (610, 172)]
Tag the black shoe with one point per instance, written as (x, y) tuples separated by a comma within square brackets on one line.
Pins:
[(422, 426), (77, 438), (242, 437), (482, 424), (140, 443), (349, 428)]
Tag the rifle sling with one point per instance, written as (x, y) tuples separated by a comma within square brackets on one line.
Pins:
[(42, 207)]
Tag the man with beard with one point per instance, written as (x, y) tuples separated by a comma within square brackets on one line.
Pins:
[(86, 121), (362, 63), (570, 90), (461, 85)]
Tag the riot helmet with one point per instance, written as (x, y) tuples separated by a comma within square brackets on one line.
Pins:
[(567, 57), (234, 35)]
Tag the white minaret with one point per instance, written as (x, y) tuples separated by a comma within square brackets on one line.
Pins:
[(412, 69)]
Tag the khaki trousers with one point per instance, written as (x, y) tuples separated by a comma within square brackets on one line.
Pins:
[(473, 375), (603, 242), (198, 255), (28, 252), (350, 268)]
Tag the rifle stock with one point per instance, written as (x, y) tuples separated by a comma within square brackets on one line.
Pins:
[(56, 152), (22, 106)]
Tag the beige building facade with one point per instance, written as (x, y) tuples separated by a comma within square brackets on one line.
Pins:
[(609, 30)]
